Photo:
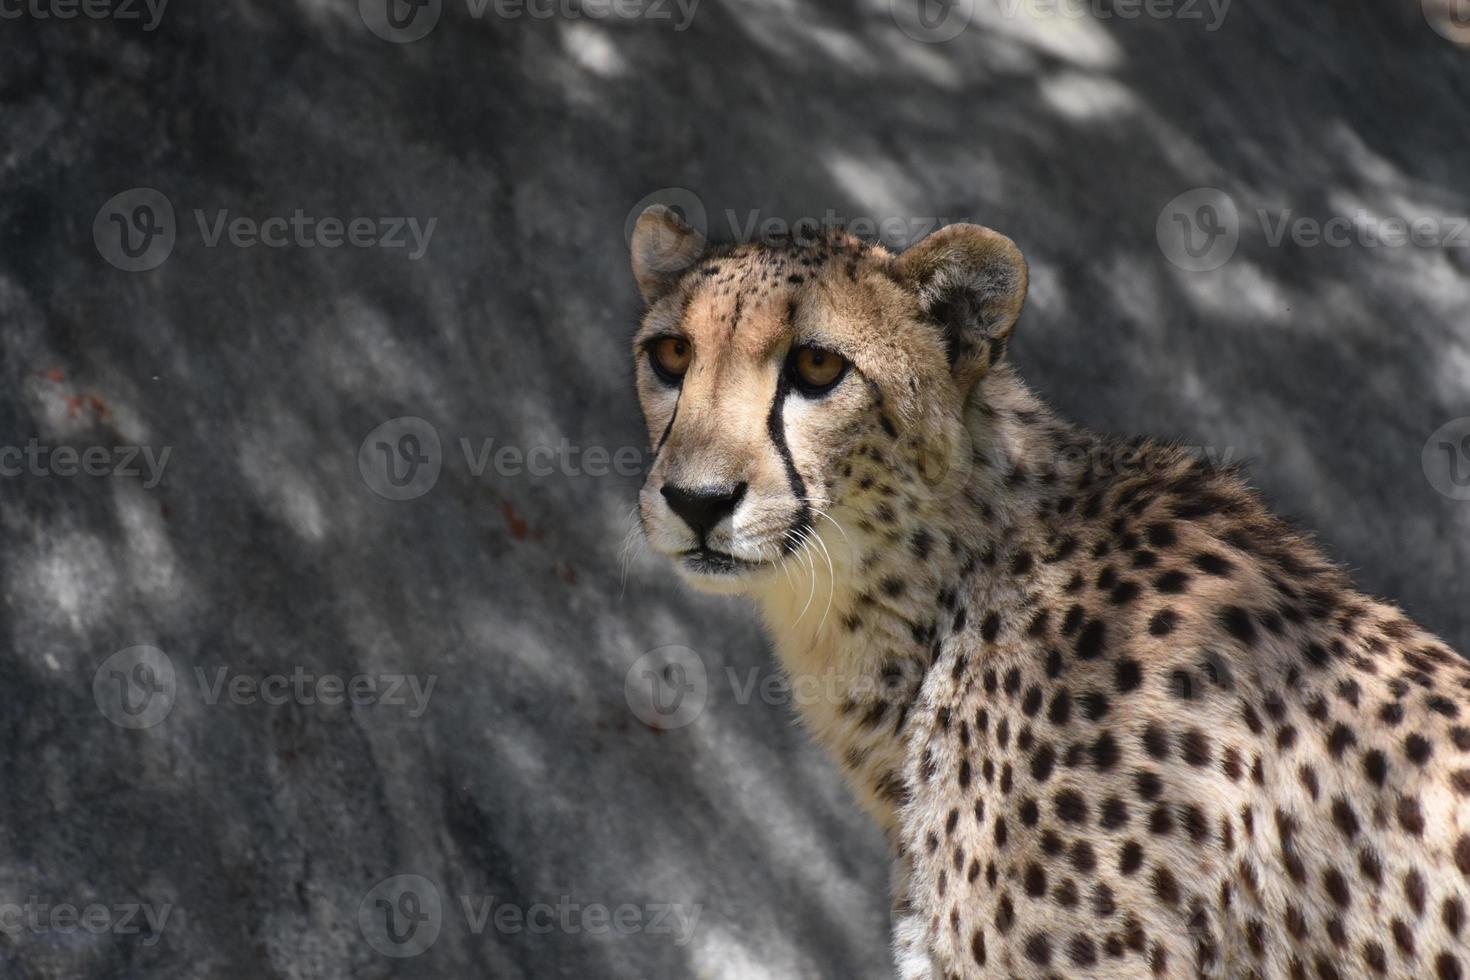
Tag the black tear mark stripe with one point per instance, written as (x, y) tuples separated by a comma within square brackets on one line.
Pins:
[(668, 428), (776, 428)]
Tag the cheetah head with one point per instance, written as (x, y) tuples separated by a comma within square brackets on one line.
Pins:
[(793, 385)]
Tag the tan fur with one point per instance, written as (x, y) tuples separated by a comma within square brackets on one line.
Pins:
[(1117, 720)]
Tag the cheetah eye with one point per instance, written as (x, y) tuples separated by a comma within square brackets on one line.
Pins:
[(817, 371), (670, 357)]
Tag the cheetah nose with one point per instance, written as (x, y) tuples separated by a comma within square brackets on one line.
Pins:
[(704, 507)]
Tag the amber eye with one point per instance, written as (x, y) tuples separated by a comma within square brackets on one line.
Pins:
[(816, 370), (671, 357)]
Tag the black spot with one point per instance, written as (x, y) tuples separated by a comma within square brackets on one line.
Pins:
[(1162, 623), (1060, 711), (1005, 914), (1105, 753), (1072, 620), (1083, 857), (1038, 949), (1124, 592), (1171, 583), (1213, 564), (1127, 675), (1114, 813), (1038, 623), (1375, 766), (1130, 859), (1156, 742), (1034, 880), (1042, 762), (1148, 784), (1071, 807), (1094, 705), (1090, 641), (1237, 623), (1165, 886), (1340, 740), (1161, 535)]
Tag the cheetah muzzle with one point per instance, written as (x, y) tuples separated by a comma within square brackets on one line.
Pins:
[(1116, 719)]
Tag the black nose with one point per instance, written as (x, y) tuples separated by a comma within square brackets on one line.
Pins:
[(703, 508)]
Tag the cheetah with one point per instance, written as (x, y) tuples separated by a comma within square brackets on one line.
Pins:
[(1115, 719)]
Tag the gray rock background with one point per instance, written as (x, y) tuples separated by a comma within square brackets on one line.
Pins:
[(527, 779)]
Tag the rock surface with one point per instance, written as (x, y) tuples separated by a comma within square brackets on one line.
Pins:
[(260, 819)]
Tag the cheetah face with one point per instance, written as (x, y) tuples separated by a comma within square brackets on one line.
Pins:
[(780, 382)]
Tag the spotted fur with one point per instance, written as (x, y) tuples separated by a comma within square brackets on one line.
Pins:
[(1116, 718)]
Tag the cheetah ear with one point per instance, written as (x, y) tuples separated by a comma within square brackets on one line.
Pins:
[(971, 283), (663, 247)]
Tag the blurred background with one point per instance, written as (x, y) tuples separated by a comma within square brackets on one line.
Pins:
[(326, 650)]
